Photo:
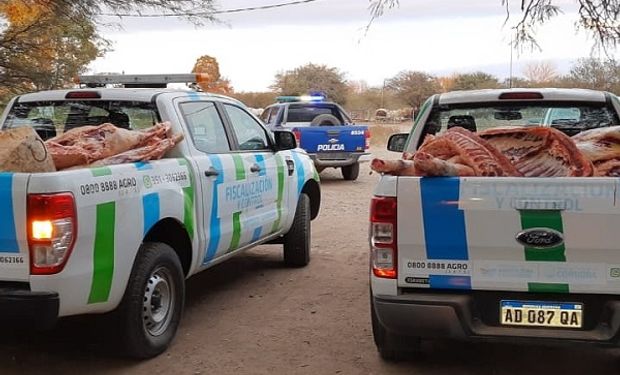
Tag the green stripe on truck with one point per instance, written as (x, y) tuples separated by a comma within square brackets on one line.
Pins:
[(234, 243), (280, 167), (239, 168), (103, 257), (101, 171), (551, 219), (188, 201), (239, 175)]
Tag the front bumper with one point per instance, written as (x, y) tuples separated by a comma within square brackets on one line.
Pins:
[(37, 309), (327, 160), (474, 316)]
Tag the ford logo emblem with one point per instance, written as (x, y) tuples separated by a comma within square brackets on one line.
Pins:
[(540, 238)]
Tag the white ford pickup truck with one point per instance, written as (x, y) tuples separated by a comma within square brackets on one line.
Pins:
[(497, 258), (125, 237)]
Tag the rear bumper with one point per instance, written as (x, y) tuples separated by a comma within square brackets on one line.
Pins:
[(323, 159), (37, 309), (475, 317)]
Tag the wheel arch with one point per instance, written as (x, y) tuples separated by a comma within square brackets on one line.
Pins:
[(312, 189), (174, 234)]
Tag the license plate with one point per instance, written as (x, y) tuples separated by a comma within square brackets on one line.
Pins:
[(333, 156), (541, 314)]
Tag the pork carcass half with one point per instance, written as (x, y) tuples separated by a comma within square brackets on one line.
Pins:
[(153, 150), (86, 144), (602, 147), (539, 151), (456, 152)]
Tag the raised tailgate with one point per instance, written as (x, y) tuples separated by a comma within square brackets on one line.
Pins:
[(319, 139), (517, 234), (14, 262)]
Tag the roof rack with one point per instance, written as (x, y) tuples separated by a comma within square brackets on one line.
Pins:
[(139, 80)]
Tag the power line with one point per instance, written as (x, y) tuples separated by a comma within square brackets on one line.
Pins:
[(225, 11)]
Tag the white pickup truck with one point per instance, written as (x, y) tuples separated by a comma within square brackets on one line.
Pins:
[(125, 237), (497, 258)]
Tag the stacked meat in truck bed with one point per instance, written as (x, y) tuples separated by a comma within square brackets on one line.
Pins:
[(106, 144), (512, 151)]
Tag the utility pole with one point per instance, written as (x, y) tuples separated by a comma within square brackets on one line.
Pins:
[(382, 92), (511, 46)]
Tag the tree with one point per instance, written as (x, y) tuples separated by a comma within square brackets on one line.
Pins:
[(413, 87), (598, 17), (216, 84), (255, 99), (540, 74), (39, 50), (312, 78), (474, 81), (44, 43), (595, 74)]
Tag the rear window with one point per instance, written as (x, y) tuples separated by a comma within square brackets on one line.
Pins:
[(568, 117), (307, 112), (51, 118)]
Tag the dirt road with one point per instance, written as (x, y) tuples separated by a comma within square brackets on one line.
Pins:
[(253, 316)]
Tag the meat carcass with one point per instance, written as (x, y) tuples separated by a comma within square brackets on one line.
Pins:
[(463, 148), (86, 144), (153, 150), (602, 147), (394, 167), (457, 152), (539, 151)]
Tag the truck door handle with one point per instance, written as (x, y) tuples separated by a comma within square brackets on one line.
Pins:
[(211, 172), (255, 168)]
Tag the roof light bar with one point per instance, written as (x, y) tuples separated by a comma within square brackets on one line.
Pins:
[(138, 79), (302, 98)]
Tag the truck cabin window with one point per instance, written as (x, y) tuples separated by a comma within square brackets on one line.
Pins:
[(569, 117), (52, 118)]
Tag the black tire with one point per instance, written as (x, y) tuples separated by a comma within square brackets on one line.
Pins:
[(325, 120), (391, 347), (350, 172), (297, 240), (152, 306)]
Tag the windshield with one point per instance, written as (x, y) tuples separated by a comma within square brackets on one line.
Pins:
[(51, 118)]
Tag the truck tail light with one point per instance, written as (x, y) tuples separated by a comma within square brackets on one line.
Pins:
[(367, 138), (52, 227), (297, 134), (383, 245)]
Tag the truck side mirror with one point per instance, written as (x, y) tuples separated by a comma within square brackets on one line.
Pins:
[(285, 140), (397, 142)]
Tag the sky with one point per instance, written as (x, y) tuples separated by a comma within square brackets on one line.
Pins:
[(440, 37)]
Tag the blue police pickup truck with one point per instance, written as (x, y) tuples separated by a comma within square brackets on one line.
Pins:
[(323, 129)]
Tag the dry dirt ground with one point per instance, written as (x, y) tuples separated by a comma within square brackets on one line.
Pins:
[(251, 315)]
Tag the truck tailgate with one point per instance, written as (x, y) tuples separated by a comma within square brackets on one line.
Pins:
[(514, 234), (14, 261), (317, 139)]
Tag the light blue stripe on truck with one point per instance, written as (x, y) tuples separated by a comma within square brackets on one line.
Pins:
[(215, 231), (8, 236), (260, 160), (150, 209), (444, 228), (301, 173)]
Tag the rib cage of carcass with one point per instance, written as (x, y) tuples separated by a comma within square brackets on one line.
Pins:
[(106, 144), (511, 152)]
